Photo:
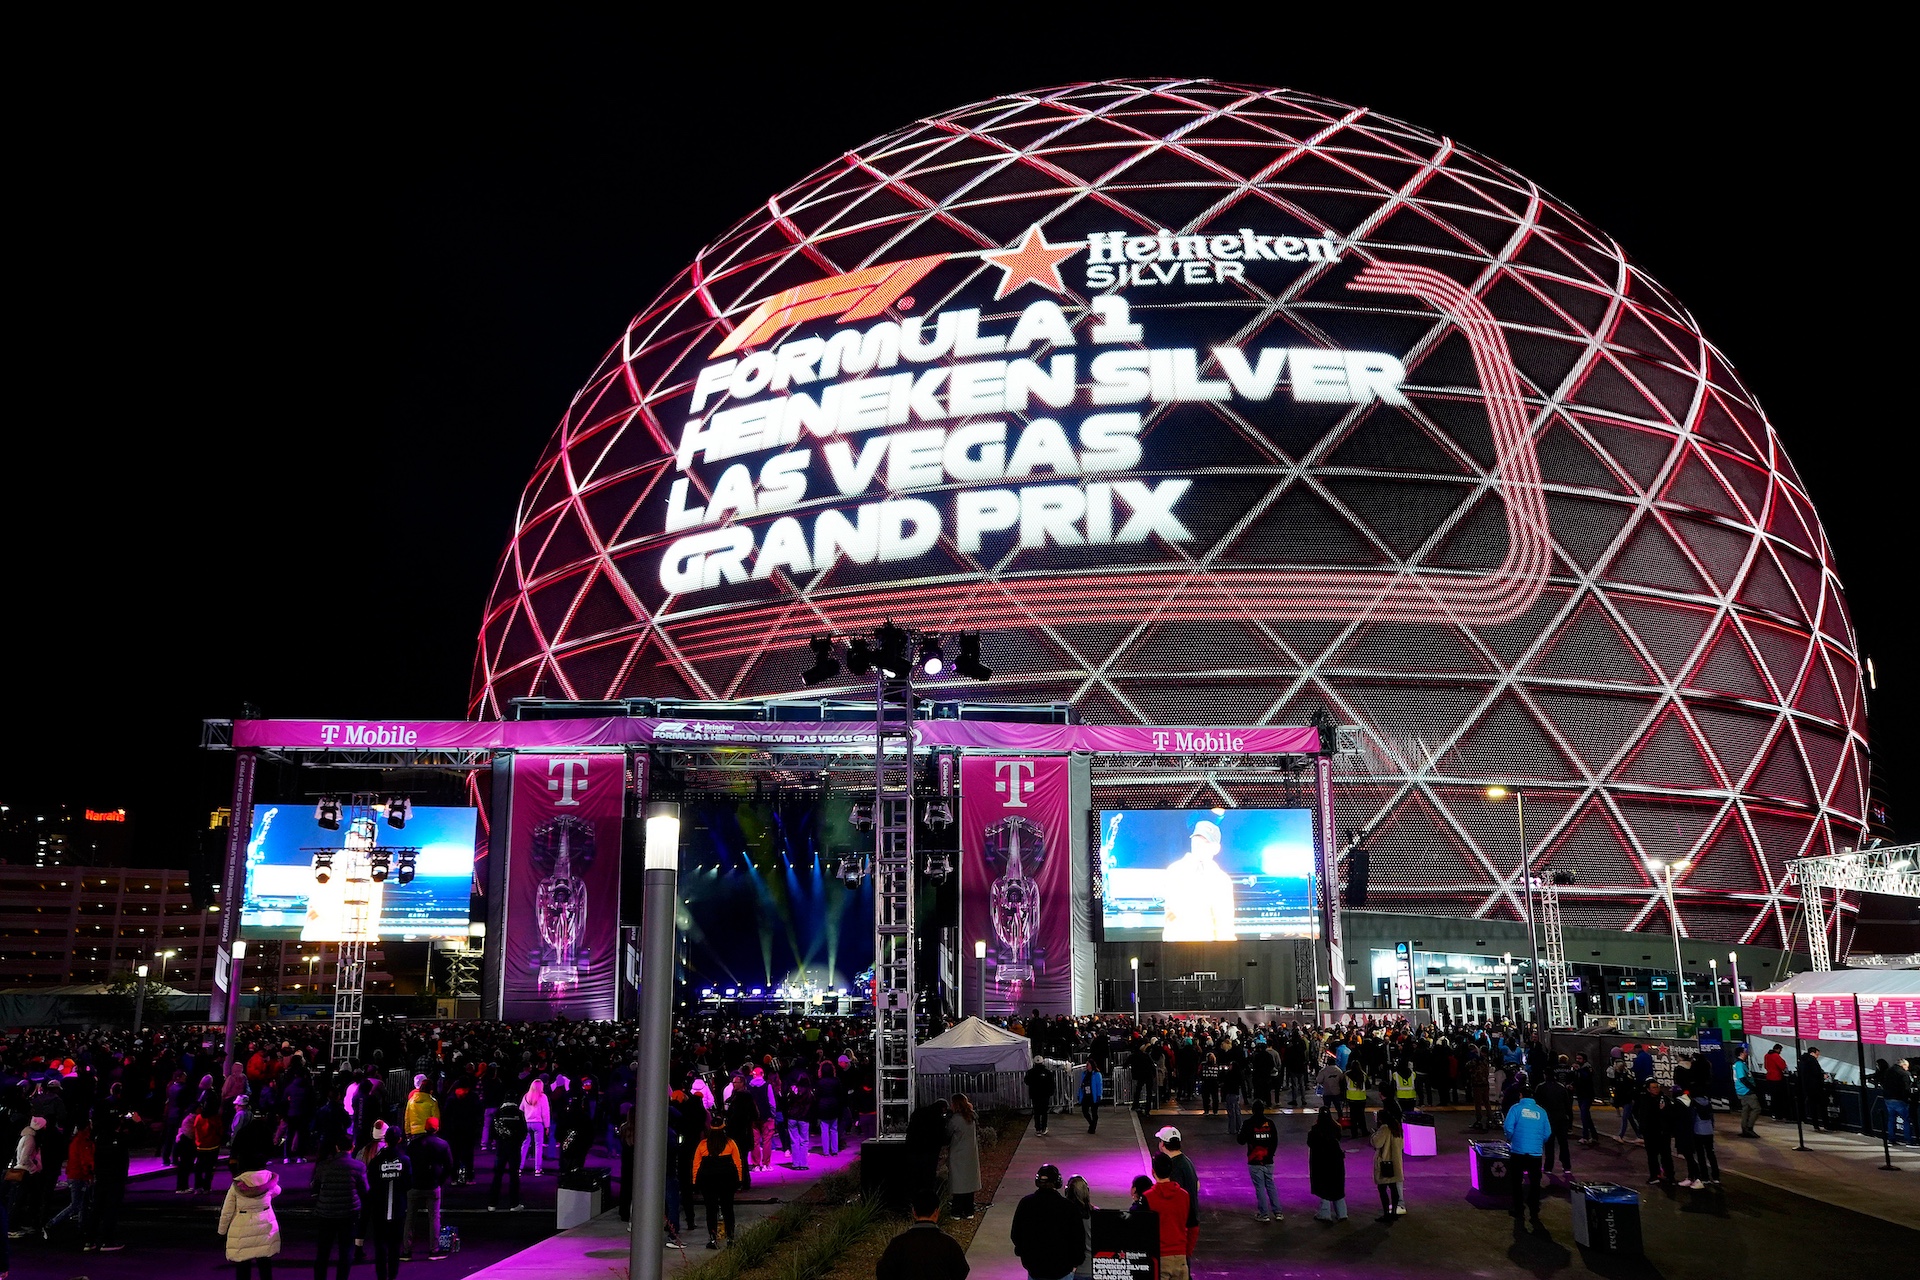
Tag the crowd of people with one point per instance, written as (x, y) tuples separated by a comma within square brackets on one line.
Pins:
[(431, 1106)]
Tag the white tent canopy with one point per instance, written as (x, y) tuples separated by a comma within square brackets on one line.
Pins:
[(973, 1045)]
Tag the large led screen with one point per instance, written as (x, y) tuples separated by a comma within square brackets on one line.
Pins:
[(284, 900), (1206, 875)]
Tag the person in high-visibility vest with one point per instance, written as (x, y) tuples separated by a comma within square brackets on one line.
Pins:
[(1356, 1095), (1403, 1085)]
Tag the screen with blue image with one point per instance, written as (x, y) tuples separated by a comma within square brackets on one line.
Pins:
[(283, 899), (1206, 875)]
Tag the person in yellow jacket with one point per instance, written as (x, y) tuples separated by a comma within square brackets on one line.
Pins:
[(421, 1107)]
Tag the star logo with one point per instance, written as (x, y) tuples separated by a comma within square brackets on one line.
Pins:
[(1033, 259)]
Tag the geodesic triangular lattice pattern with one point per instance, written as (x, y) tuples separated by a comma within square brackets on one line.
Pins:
[(1624, 605)]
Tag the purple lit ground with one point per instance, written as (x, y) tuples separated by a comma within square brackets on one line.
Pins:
[(1750, 1230)]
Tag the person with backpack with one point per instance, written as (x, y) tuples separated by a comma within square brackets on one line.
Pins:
[(1746, 1091), (1261, 1139), (509, 1133), (717, 1174)]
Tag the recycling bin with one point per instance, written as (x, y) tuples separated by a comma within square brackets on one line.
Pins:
[(1487, 1164), (1606, 1217)]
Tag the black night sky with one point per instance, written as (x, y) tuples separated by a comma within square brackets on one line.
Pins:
[(300, 309)]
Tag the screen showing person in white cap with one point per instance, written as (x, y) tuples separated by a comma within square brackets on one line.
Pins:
[(1199, 893)]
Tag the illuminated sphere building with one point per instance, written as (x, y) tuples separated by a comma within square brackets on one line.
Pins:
[(1572, 558)]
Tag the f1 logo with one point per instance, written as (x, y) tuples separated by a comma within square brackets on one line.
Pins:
[(572, 781), (1021, 779)]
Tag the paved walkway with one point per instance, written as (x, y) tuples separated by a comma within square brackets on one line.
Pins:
[(1109, 1160), (598, 1248)]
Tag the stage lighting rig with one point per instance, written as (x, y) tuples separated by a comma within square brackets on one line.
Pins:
[(968, 663), (938, 814), (405, 865), (399, 809), (859, 656), (939, 867), (825, 665), (895, 656), (327, 813), (861, 815), (932, 659), (380, 863), (323, 865)]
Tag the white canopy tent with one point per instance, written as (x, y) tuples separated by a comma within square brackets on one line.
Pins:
[(974, 1045)]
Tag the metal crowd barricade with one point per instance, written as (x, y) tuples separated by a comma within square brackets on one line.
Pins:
[(991, 1090)]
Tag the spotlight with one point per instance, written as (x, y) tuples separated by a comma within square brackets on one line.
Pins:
[(399, 810), (327, 813), (939, 814), (932, 660), (825, 665), (323, 865), (939, 866), (405, 865), (1566, 875), (859, 656), (894, 657), (861, 815), (968, 663), (381, 863)]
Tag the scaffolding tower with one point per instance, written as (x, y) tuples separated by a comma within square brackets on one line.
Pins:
[(1552, 980), (893, 870)]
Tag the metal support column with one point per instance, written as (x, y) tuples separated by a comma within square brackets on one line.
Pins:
[(1331, 948), (233, 889), (1552, 980), (893, 871)]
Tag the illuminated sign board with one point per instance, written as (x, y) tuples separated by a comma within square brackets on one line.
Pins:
[(106, 815)]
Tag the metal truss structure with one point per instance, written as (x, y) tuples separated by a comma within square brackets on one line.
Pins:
[(894, 1005), (217, 735), (1599, 576), (1552, 982), (1888, 870)]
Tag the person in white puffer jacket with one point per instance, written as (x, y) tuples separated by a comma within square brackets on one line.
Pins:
[(248, 1222)]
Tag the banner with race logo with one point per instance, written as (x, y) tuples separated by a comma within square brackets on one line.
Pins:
[(562, 911), (1016, 881)]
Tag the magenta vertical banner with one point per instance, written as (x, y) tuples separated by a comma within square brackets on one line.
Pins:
[(563, 886), (1016, 879)]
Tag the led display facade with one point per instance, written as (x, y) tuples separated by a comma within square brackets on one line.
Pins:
[(1216, 404)]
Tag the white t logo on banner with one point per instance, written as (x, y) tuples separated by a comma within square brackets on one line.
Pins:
[(567, 784), (1018, 790)]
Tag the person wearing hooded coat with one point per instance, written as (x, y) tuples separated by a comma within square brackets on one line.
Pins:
[(1327, 1167), (718, 1172), (248, 1222)]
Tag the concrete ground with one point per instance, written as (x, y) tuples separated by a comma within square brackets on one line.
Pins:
[(1779, 1213)]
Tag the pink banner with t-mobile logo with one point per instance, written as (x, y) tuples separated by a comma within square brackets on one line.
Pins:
[(1016, 881), (562, 922)]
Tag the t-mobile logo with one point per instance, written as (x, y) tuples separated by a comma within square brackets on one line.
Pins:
[(1021, 772), (572, 781)]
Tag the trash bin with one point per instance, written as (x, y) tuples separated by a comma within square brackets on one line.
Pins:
[(1487, 1163), (580, 1197), (1418, 1130), (1606, 1216)]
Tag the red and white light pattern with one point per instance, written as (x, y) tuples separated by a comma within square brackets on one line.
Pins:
[(1578, 562)]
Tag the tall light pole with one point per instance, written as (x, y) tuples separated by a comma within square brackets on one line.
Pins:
[(1498, 794), (140, 999), (1135, 962), (659, 911), (1714, 965), (1664, 872), (1506, 971), (1733, 959), (236, 968), (164, 957), (980, 965)]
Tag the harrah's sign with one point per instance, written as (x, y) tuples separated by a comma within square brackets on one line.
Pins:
[(1200, 741), (369, 735)]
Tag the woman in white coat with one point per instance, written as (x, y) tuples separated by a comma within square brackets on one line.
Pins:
[(539, 1114), (963, 1155), (247, 1221)]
